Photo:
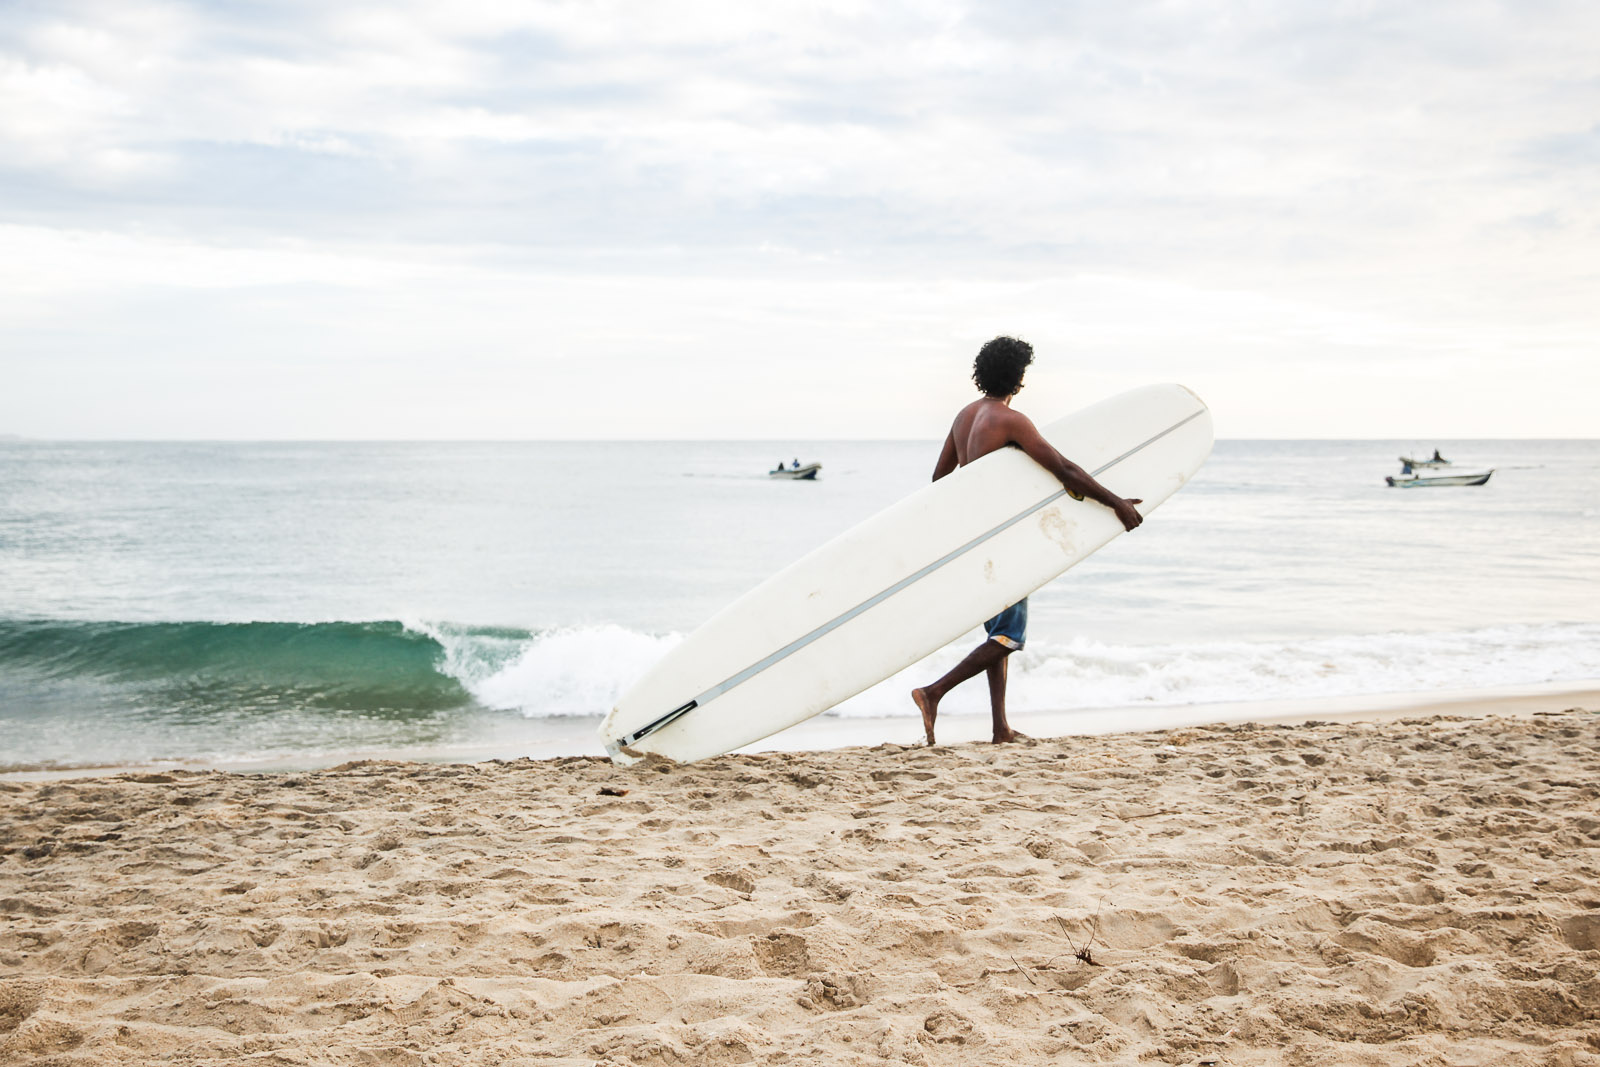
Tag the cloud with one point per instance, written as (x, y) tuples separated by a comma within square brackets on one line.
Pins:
[(1371, 182)]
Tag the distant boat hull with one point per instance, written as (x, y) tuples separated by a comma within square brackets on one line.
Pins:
[(798, 474), (1418, 481), (1404, 462)]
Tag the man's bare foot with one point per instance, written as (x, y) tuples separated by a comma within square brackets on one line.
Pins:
[(1009, 736), (929, 708)]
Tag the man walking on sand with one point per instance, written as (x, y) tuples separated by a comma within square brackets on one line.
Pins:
[(984, 426)]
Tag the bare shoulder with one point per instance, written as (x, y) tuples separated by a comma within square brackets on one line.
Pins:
[(968, 413), (1016, 426), (1016, 418), (1019, 430), (962, 423)]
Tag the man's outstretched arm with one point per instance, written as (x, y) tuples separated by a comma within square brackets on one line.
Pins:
[(1077, 481)]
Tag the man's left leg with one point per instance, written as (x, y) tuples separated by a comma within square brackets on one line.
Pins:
[(997, 700), (1009, 630)]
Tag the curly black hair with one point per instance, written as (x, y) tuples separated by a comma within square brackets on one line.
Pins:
[(1000, 365)]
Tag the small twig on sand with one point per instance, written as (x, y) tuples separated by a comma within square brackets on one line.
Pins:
[(1084, 953), (1024, 971)]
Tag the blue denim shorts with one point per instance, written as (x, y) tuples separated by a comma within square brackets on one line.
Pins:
[(1010, 627)]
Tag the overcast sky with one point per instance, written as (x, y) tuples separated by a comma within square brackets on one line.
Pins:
[(724, 220)]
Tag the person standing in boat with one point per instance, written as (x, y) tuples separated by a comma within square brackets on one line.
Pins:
[(988, 425)]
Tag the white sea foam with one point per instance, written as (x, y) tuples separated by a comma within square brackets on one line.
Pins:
[(570, 672), (584, 671), (1081, 673)]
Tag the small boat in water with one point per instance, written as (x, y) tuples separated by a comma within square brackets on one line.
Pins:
[(1407, 462), (1415, 481), (807, 473)]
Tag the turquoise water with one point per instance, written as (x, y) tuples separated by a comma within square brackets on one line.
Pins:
[(229, 602)]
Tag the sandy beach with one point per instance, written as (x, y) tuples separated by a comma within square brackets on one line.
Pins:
[(1423, 890)]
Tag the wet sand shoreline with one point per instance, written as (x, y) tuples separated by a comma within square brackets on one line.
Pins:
[(576, 736)]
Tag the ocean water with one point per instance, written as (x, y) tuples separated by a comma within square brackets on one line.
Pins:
[(228, 603)]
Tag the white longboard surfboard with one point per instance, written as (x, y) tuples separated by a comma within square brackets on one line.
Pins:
[(906, 582)]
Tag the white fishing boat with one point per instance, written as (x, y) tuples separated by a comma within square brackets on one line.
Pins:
[(1415, 481), (805, 473), (1436, 461)]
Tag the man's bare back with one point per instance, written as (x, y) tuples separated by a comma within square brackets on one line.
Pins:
[(983, 426)]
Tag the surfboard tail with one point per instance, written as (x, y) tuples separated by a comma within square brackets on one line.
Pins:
[(621, 755)]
